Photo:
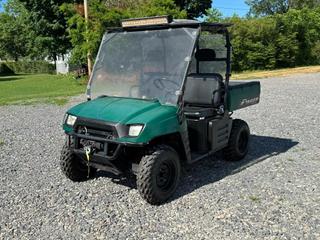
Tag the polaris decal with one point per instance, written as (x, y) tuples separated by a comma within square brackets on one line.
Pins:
[(249, 102)]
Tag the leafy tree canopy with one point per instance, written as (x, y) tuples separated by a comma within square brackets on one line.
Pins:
[(278, 41), (109, 14), (50, 25), (194, 8), (213, 15), (270, 7), (17, 38)]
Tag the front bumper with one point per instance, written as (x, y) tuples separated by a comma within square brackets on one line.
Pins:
[(100, 158), (106, 153), (101, 137)]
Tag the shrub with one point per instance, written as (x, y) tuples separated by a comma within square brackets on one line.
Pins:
[(5, 70), (277, 41), (31, 67)]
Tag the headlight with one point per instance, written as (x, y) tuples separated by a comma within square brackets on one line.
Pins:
[(71, 120), (135, 130)]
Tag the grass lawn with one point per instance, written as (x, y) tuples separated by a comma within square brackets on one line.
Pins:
[(275, 73), (34, 88)]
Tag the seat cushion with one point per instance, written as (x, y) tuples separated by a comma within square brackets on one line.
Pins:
[(198, 112)]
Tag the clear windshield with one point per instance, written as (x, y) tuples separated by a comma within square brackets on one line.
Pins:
[(143, 64)]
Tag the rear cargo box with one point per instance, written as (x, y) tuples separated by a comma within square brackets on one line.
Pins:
[(243, 94)]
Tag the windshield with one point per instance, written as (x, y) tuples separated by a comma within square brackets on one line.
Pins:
[(143, 64)]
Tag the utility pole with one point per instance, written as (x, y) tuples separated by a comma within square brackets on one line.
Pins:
[(85, 3)]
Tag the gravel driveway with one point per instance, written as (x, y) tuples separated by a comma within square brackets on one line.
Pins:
[(273, 194)]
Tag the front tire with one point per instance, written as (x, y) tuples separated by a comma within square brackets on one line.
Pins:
[(238, 145), (159, 174), (73, 167)]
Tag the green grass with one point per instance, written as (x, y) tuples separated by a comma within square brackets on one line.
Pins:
[(1, 142), (38, 88), (275, 73)]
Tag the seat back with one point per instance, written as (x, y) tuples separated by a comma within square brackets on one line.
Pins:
[(205, 55), (203, 90)]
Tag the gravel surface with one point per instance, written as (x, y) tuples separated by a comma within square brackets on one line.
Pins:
[(273, 194)]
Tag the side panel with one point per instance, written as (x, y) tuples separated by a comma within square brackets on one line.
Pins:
[(219, 132), (158, 122), (243, 94), (159, 127), (198, 130)]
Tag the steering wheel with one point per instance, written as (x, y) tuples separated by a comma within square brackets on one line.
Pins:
[(160, 83), (168, 86)]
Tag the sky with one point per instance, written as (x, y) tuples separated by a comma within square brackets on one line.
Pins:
[(227, 7), (231, 7), (1, 2)]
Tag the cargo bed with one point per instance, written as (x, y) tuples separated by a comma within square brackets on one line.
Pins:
[(243, 94)]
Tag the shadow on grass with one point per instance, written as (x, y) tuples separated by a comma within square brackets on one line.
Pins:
[(214, 168), (9, 78)]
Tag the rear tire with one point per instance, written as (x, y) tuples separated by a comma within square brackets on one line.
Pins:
[(73, 167), (238, 145), (158, 175)]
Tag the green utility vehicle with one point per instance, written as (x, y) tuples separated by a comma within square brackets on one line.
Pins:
[(159, 97)]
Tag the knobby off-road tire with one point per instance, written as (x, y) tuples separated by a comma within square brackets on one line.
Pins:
[(238, 144), (159, 174), (73, 167)]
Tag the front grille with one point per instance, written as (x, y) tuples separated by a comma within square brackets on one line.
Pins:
[(99, 136), (99, 146), (89, 131)]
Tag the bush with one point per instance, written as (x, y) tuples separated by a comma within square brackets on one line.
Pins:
[(31, 67), (5, 70), (277, 41)]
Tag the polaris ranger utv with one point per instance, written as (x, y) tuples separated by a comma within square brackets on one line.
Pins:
[(159, 97)]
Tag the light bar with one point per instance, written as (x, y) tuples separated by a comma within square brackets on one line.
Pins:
[(139, 22)]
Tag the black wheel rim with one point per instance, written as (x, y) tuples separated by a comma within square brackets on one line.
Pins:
[(166, 175), (243, 142)]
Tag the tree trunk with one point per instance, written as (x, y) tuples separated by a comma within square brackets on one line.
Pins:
[(55, 59)]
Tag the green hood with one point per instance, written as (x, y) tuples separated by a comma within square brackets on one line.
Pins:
[(158, 119), (119, 110)]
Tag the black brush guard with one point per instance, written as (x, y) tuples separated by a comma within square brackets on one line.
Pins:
[(99, 158), (100, 136)]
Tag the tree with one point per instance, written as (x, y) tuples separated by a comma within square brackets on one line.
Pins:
[(108, 14), (282, 40), (50, 25), (124, 4), (157, 7), (300, 4), (271, 7), (213, 15), (268, 7), (17, 38), (194, 8), (12, 44)]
